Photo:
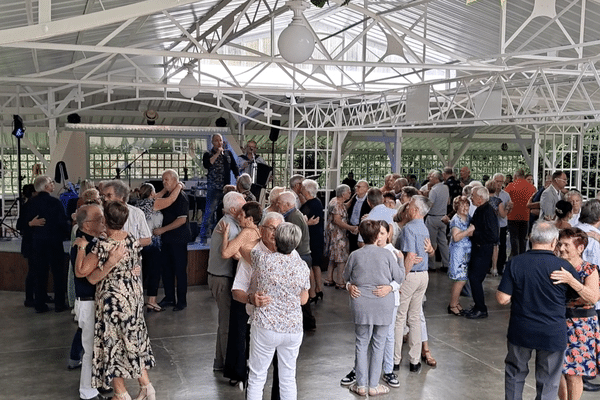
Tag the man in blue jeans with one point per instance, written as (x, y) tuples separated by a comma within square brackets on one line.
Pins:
[(220, 163)]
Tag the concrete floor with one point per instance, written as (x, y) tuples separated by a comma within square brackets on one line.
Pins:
[(34, 350)]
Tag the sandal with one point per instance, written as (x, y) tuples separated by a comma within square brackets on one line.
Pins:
[(429, 360), (380, 389), (153, 307), (359, 390)]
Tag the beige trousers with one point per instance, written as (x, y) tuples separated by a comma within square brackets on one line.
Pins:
[(409, 312)]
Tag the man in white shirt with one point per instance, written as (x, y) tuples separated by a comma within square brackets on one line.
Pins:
[(117, 190)]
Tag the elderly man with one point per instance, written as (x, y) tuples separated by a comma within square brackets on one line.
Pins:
[(117, 190), (220, 164), (379, 212), (398, 185), (249, 159), (296, 188), (465, 176), (502, 219), (175, 234), (313, 211), (552, 195), (484, 237), (222, 270), (90, 225), (537, 315), (357, 207), (412, 244), (287, 207), (520, 191), (243, 185), (49, 226), (438, 195), (245, 293)]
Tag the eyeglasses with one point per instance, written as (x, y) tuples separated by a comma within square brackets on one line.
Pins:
[(270, 228)]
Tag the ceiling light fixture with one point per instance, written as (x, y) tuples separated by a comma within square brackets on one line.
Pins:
[(296, 42), (188, 86)]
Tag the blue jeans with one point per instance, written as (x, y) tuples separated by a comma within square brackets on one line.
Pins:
[(388, 350), (214, 197)]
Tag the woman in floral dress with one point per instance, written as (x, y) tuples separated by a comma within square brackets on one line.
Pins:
[(121, 344), (583, 333), (336, 241), (460, 251)]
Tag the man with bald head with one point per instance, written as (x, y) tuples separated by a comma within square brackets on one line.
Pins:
[(175, 234), (465, 176), (219, 163)]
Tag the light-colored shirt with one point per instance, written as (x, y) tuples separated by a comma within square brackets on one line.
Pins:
[(355, 217), (395, 285), (282, 277), (574, 219), (439, 195), (218, 265), (381, 213), (505, 197), (412, 240), (136, 224)]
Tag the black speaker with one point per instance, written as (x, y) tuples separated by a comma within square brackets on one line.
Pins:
[(274, 134), (73, 118)]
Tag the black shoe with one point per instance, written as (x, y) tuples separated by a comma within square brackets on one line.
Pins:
[(29, 303), (73, 364), (49, 299), (415, 367), (349, 379), (104, 390), (178, 308), (61, 308), (43, 309), (590, 387), (166, 303), (444, 269), (396, 367), (476, 314)]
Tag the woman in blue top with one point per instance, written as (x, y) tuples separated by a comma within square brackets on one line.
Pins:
[(460, 251)]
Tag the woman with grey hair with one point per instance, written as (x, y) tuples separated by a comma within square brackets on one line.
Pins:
[(283, 277), (336, 241)]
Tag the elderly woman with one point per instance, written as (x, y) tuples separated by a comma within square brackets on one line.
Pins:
[(460, 251), (121, 344), (583, 334), (273, 196), (151, 203), (284, 278), (369, 268), (336, 241), (574, 197), (249, 218)]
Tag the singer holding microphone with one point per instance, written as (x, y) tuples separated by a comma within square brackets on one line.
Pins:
[(220, 163)]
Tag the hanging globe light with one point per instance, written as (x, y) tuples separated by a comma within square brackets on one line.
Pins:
[(188, 86), (296, 42)]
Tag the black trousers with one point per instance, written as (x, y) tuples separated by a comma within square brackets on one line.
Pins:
[(48, 256), (481, 260), (518, 237), (30, 282), (502, 250), (151, 262), (174, 261), (353, 241), (235, 359)]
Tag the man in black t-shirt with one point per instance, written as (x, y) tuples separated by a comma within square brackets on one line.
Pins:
[(175, 234), (537, 315)]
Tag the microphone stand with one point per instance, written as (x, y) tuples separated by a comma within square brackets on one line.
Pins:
[(119, 171)]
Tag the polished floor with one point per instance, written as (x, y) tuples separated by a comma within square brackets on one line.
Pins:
[(34, 351)]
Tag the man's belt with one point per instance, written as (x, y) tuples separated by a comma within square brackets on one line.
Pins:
[(580, 312)]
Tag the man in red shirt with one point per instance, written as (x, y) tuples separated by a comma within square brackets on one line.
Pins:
[(520, 191)]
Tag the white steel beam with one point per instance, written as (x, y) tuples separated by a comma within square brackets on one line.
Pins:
[(83, 22)]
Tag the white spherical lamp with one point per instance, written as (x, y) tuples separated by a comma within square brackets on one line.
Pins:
[(188, 86), (296, 42)]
